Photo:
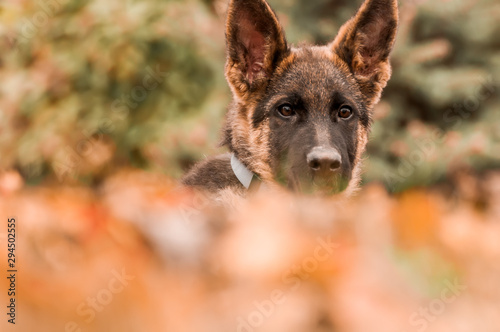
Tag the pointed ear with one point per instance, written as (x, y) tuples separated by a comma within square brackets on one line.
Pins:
[(365, 42), (255, 43)]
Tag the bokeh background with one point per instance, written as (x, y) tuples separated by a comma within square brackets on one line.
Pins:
[(77, 102), (105, 104)]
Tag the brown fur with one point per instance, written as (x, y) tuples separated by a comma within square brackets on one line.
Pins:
[(261, 68)]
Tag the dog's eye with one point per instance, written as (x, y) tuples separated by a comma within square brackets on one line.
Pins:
[(286, 110), (345, 112)]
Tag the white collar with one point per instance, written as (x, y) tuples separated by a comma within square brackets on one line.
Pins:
[(244, 175)]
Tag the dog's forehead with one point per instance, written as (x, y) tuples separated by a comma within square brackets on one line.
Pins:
[(315, 74)]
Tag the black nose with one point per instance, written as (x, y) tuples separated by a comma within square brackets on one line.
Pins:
[(324, 160)]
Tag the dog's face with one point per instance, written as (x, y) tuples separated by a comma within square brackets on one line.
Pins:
[(315, 114), (302, 115)]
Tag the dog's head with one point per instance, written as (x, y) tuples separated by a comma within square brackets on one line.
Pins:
[(302, 115)]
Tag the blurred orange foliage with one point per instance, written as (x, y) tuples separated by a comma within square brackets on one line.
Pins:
[(140, 254)]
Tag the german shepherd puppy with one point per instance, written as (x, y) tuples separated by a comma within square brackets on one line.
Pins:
[(300, 115)]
